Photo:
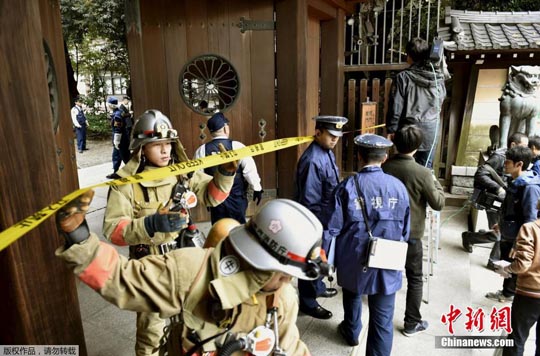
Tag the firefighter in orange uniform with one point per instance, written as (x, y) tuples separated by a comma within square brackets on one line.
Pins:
[(234, 299)]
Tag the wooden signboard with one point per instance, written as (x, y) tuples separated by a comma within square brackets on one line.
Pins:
[(369, 116)]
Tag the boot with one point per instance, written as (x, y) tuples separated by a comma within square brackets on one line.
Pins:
[(465, 241)]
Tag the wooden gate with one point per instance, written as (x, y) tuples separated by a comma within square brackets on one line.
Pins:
[(164, 35), (367, 105)]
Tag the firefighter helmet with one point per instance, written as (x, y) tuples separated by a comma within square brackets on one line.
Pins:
[(282, 236), (152, 126)]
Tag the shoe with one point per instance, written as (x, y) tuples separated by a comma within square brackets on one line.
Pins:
[(350, 342), (80, 151), (112, 176), (85, 149), (417, 329), (318, 312), (465, 242), (498, 296), (329, 293)]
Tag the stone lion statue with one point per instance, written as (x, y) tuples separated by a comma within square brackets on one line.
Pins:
[(520, 102)]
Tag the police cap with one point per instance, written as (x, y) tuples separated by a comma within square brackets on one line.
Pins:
[(112, 100), (334, 124), (216, 122), (372, 141)]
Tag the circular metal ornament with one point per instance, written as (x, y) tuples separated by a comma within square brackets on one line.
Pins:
[(209, 84), (52, 85)]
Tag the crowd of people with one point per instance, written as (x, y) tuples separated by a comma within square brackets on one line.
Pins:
[(235, 295)]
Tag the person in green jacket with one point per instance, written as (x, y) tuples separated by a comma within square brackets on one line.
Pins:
[(423, 189)]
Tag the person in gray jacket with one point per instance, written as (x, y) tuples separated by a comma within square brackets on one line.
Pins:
[(417, 97), (423, 188)]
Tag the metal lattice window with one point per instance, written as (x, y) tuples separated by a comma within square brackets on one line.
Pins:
[(208, 84)]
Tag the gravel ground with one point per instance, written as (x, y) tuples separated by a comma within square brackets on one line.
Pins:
[(99, 152)]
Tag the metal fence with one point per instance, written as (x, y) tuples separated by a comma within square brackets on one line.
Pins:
[(378, 32)]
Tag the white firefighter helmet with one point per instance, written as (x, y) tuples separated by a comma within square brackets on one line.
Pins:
[(152, 126), (282, 236)]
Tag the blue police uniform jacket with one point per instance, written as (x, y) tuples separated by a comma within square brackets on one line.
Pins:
[(81, 119), (387, 205), (316, 177), (117, 122)]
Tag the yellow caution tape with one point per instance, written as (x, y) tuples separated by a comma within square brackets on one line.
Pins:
[(13, 233)]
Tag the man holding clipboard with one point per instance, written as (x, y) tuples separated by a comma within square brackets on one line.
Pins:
[(367, 207)]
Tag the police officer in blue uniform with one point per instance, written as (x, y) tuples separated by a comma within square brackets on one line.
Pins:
[(316, 177), (80, 123), (387, 204), (236, 204), (120, 137)]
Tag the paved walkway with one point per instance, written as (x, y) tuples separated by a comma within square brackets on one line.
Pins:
[(459, 279)]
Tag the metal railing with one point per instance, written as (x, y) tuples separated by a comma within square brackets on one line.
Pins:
[(378, 32)]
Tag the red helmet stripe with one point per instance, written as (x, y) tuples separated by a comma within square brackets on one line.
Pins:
[(148, 132), (295, 257)]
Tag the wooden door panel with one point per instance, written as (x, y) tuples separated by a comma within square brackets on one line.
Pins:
[(174, 33)]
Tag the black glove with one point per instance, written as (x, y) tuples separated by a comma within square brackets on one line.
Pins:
[(257, 196), (165, 221), (71, 220)]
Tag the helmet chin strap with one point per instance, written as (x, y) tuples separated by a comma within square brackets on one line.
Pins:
[(312, 268)]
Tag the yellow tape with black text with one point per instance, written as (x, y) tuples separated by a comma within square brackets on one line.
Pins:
[(13, 233)]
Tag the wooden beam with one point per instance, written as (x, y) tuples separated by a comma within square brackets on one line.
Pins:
[(455, 118), (346, 6), (467, 114), (375, 67), (136, 58), (321, 9), (291, 65), (40, 304), (332, 76)]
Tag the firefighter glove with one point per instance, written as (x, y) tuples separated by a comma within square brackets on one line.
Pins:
[(165, 221), (71, 219), (229, 168)]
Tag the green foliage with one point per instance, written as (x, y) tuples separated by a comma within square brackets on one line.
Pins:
[(99, 125), (94, 31)]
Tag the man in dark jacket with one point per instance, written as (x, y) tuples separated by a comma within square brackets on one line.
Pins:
[(519, 207), (317, 174), (534, 145), (423, 189), (120, 137), (484, 180), (418, 94)]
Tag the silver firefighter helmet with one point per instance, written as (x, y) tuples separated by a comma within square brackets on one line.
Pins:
[(282, 236)]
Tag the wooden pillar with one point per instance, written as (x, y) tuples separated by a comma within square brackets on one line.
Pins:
[(332, 77), (136, 57), (467, 86), (291, 33), (40, 299)]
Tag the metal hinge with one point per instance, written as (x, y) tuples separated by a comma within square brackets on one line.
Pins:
[(254, 25)]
